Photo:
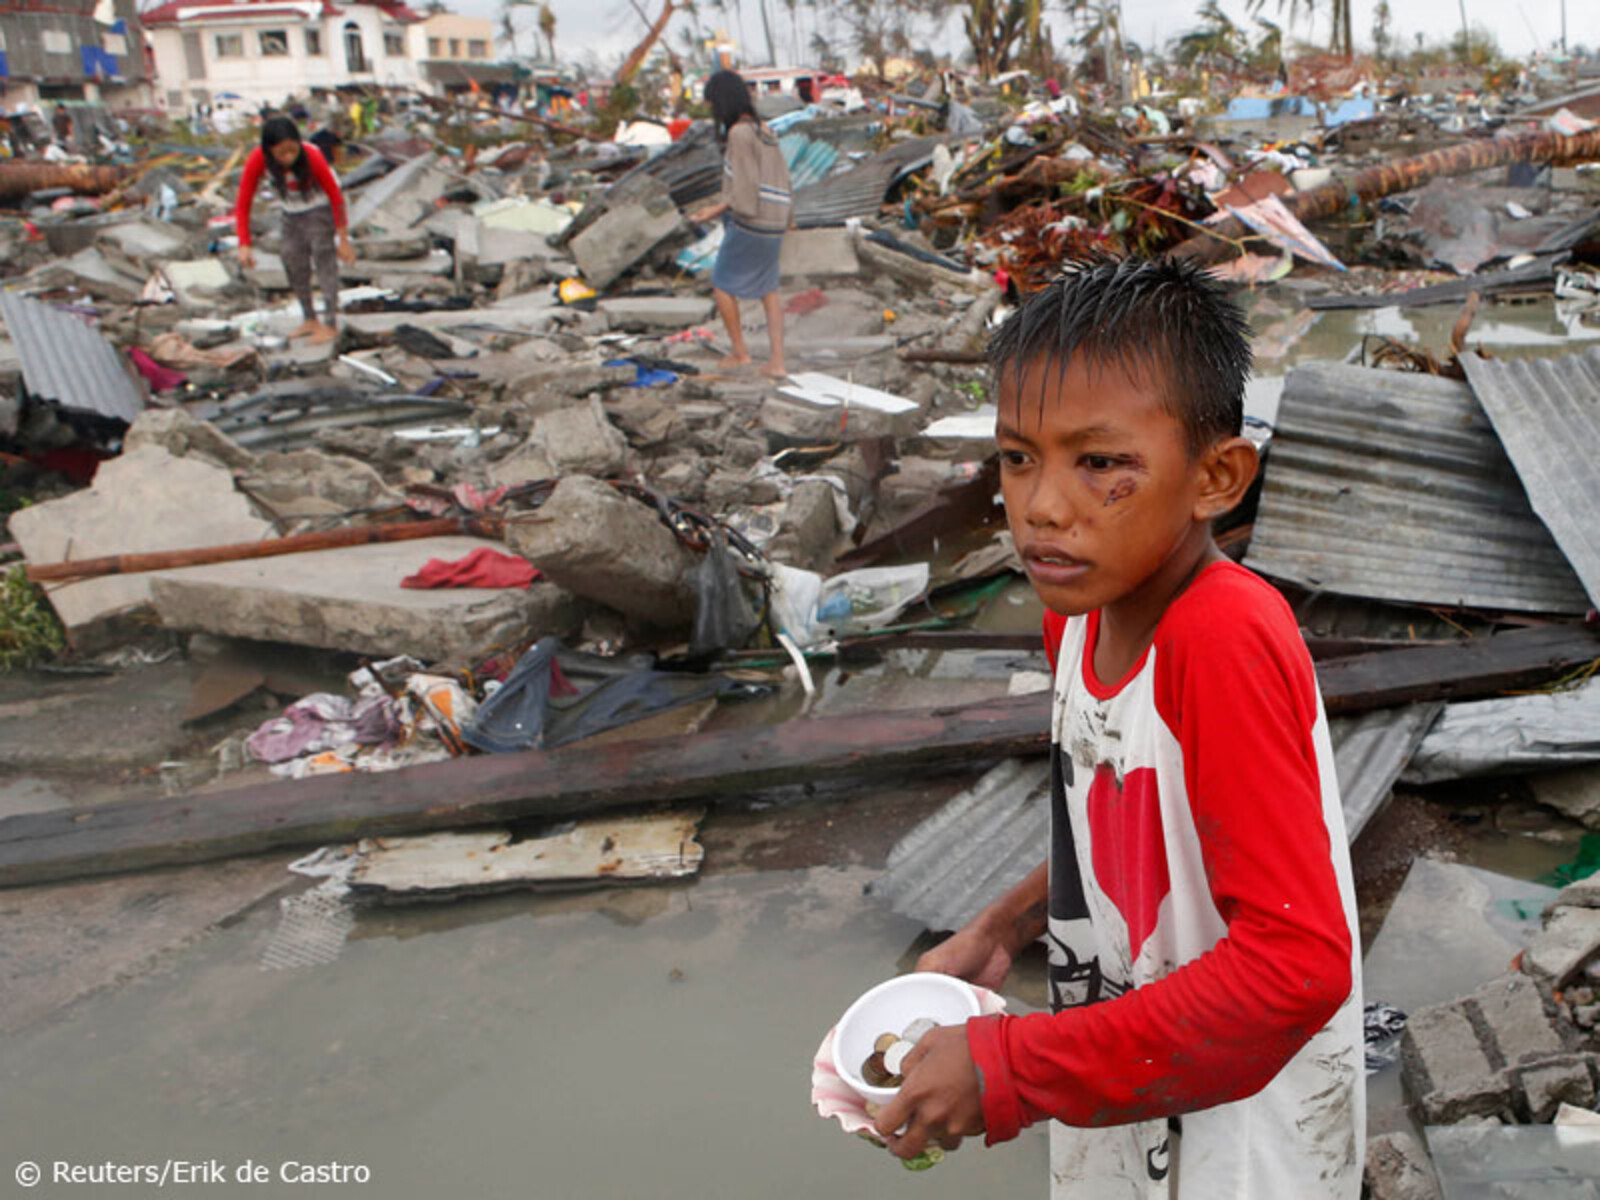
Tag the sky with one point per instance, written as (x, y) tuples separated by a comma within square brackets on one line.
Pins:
[(607, 29)]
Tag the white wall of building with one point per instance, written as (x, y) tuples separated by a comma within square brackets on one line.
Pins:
[(238, 57)]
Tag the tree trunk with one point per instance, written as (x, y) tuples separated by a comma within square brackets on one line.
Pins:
[(1401, 176)]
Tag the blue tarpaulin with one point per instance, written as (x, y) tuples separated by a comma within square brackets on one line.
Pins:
[(1264, 108)]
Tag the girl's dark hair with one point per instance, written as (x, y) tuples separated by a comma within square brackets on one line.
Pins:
[(730, 101), (1165, 317), (281, 129)]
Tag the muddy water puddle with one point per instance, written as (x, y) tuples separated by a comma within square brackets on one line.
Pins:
[(636, 1042)]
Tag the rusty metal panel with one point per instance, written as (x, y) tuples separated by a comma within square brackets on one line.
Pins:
[(1393, 486), (1547, 413)]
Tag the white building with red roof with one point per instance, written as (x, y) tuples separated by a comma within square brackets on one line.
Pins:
[(256, 52)]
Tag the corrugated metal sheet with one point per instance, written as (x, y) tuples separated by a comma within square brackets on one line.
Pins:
[(1370, 751), (66, 361), (1547, 413), (1393, 486), (1511, 734), (859, 192), (809, 161), (974, 849), (985, 841)]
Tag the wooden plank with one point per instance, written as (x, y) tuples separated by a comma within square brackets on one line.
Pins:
[(1457, 671), (496, 789), (440, 866)]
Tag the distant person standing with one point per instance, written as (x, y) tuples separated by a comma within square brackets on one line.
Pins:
[(756, 210), (315, 228), (62, 122)]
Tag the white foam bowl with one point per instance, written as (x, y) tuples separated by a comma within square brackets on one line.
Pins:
[(889, 1008)]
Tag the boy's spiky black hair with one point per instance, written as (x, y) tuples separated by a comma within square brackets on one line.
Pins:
[(1140, 313)]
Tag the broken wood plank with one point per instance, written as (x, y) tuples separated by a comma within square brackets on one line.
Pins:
[(1457, 671), (441, 866), (496, 789)]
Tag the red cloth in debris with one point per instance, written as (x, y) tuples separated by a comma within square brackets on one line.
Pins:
[(483, 568), (161, 379)]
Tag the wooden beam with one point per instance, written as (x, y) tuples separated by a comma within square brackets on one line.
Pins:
[(495, 789), (498, 788), (1458, 671)]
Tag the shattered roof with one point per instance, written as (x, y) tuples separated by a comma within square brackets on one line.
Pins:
[(1393, 486), (1547, 413), (859, 191), (66, 361)]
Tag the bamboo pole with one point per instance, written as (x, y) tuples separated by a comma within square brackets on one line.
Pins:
[(330, 539), (1401, 176)]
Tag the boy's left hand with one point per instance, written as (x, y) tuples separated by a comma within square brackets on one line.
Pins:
[(346, 251), (939, 1102)]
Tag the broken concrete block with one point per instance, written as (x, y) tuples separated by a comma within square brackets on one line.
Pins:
[(1585, 893), (146, 239), (580, 440), (648, 314), (298, 484), (622, 237), (351, 599), (1546, 1087), (197, 284), (819, 252), (809, 527), (569, 379), (1446, 1072), (1465, 1058), (807, 424), (526, 464), (1398, 1168), (145, 499), (606, 547), (1569, 939), (1516, 1016), (1574, 793), (179, 434)]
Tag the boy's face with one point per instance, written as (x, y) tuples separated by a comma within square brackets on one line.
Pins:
[(1099, 485)]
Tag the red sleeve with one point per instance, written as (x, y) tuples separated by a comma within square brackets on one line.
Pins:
[(254, 163), (328, 181), (1236, 687), (1054, 627)]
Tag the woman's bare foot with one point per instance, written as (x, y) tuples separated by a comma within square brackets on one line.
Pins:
[(305, 329), (775, 370), (322, 334), (733, 362)]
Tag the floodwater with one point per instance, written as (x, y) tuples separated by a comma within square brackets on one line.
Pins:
[(643, 1042)]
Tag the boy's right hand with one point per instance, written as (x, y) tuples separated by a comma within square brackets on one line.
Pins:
[(247, 257), (976, 953)]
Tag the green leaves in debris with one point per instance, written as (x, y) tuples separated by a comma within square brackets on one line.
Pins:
[(29, 630)]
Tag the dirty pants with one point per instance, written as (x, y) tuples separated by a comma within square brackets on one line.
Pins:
[(308, 237)]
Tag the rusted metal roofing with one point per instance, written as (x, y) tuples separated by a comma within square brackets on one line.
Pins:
[(1393, 486), (66, 361), (1547, 413)]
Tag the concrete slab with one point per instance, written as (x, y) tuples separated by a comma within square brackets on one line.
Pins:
[(646, 314), (623, 236), (1570, 938), (819, 252), (144, 500), (351, 599)]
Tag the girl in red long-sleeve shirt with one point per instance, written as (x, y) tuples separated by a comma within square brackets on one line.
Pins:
[(315, 228)]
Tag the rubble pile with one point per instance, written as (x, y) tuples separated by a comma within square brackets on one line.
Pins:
[(526, 491)]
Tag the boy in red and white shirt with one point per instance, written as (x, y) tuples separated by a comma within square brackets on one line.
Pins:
[(1205, 1038)]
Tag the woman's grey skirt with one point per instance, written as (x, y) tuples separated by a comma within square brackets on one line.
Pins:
[(747, 263)]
